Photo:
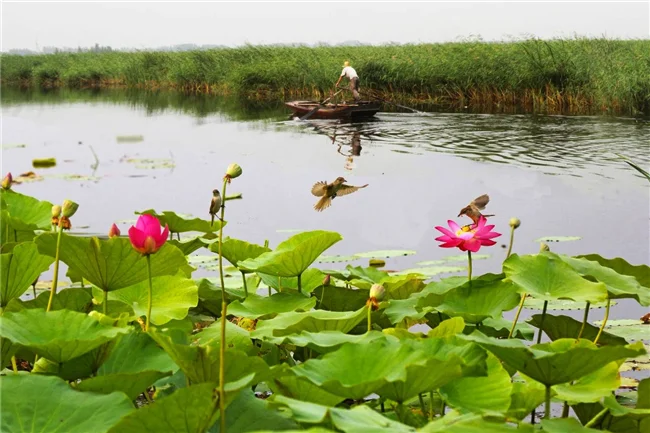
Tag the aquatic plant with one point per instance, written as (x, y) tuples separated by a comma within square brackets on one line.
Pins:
[(304, 347)]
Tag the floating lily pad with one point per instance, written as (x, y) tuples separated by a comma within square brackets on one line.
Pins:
[(151, 163), (28, 176), (12, 146), (385, 254), (336, 259), (538, 304), (43, 162), (548, 239), (632, 330), (76, 177), (432, 270), (129, 138)]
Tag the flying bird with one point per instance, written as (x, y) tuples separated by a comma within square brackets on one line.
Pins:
[(474, 208), (328, 191), (215, 205)]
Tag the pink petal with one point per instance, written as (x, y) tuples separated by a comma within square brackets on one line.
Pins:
[(446, 231), (489, 235), (473, 245), (451, 244), (149, 224), (487, 242), (481, 222), (453, 226), (162, 238), (445, 238), (137, 238)]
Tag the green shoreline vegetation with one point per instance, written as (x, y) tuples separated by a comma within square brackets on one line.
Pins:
[(556, 76)]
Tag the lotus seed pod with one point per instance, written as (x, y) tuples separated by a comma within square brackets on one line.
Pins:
[(56, 211), (377, 291), (69, 208), (515, 222), (234, 170)]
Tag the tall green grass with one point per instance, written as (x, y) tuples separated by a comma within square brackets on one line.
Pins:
[(557, 75)]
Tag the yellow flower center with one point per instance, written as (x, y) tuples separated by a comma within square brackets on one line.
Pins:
[(465, 229)]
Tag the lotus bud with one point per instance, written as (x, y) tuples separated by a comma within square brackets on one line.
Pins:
[(377, 292), (233, 171), (69, 208), (543, 247), (7, 181), (114, 231), (515, 223), (56, 211), (326, 280)]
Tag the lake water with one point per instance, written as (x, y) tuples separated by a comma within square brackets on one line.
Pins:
[(559, 175)]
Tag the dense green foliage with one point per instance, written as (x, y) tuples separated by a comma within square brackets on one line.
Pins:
[(557, 75)]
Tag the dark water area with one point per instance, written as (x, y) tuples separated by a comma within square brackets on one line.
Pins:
[(122, 151)]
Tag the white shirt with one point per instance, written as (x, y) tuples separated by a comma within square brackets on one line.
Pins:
[(349, 72)]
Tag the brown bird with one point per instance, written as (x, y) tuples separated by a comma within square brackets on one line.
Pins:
[(215, 205), (474, 208), (328, 191)]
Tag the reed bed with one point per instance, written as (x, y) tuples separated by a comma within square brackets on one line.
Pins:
[(576, 75)]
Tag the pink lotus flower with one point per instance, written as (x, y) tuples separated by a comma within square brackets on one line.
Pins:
[(146, 236), (467, 238)]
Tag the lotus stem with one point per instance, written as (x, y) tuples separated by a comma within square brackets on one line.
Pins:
[(106, 302), (422, 408), (279, 284), (469, 267), (171, 235), (34, 290), (430, 405), (532, 417), (369, 318), (584, 320), (13, 364), (512, 240), (224, 313), (243, 277), (150, 296), (600, 331), (547, 408), (300, 283), (15, 236), (178, 236), (55, 280), (596, 418), (541, 323), (514, 323), (565, 409)]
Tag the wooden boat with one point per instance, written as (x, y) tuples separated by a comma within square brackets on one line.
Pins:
[(335, 111)]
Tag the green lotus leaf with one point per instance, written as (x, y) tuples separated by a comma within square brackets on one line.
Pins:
[(188, 410), (557, 327), (111, 264), (369, 274), (300, 388), (453, 422), (56, 335), (46, 404), (311, 321), (481, 393), (486, 296), (632, 330), (80, 367), (236, 337), (201, 363), (399, 309), (325, 341), (500, 328), (235, 250), (390, 368), (293, 256), (526, 397), (335, 298), (131, 384), (310, 280), (187, 247), (172, 297), (401, 286), (336, 259), (447, 328), (19, 269), (359, 419), (25, 213), (592, 387), (618, 285), (136, 352), (546, 276), (558, 362), (266, 307), (432, 271), (73, 299), (640, 272), (565, 425), (178, 224), (472, 355), (385, 254), (247, 413)]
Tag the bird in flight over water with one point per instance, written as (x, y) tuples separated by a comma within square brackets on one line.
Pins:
[(328, 191), (474, 208)]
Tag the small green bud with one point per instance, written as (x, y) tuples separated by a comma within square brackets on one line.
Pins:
[(543, 247), (7, 181), (56, 211), (377, 292), (233, 171), (515, 222), (326, 280), (69, 208)]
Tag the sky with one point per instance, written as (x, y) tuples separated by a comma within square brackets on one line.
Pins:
[(143, 25)]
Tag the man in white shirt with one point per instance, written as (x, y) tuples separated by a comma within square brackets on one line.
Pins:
[(348, 71)]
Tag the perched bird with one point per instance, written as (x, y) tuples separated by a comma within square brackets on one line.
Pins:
[(327, 192), (474, 208), (215, 205)]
